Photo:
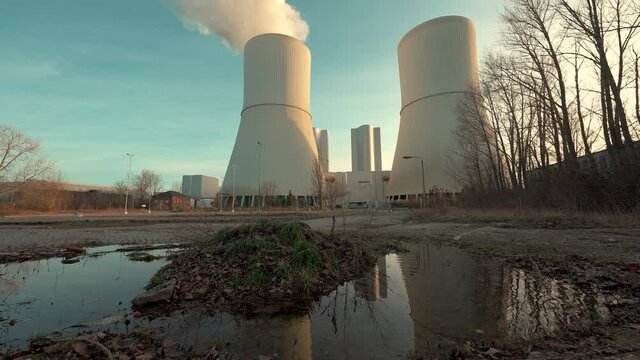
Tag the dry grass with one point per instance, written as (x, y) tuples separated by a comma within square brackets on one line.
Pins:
[(543, 218)]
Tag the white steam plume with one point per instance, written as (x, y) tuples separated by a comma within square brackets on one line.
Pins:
[(237, 21)]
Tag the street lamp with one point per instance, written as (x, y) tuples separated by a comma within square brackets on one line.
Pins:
[(424, 191), (126, 197), (233, 189), (259, 169)]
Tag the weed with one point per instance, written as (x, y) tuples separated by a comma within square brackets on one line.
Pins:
[(305, 256), (257, 277), (291, 231), (219, 344), (156, 280), (37, 338)]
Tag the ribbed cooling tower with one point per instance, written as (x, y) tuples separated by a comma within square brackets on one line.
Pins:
[(438, 64), (277, 115)]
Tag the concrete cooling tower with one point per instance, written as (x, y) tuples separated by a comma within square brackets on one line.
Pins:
[(274, 149), (438, 65)]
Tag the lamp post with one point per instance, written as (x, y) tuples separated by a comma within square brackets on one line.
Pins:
[(126, 197), (259, 144), (424, 191), (233, 189)]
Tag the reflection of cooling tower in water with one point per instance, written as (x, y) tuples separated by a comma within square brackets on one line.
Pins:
[(438, 65), (373, 285), (275, 143), (289, 338), (451, 294)]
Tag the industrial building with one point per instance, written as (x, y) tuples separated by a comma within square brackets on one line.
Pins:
[(438, 65), (275, 143), (366, 153), (322, 144), (200, 186)]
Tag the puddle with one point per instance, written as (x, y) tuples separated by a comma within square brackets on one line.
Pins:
[(420, 301), (43, 296)]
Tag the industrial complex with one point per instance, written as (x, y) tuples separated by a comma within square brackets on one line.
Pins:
[(277, 145)]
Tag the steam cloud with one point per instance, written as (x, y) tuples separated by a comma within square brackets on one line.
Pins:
[(237, 21)]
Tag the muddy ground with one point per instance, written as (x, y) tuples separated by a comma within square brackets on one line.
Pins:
[(599, 259)]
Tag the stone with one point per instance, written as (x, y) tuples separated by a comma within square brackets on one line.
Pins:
[(157, 294), (75, 250)]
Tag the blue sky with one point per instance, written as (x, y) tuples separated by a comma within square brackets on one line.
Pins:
[(93, 80)]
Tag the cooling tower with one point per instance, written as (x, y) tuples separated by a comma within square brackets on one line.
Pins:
[(438, 65), (322, 144), (275, 145)]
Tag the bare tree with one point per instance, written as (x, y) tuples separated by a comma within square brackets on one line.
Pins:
[(599, 25), (121, 187), (475, 160), (317, 181), (269, 189), (335, 191), (20, 159), (176, 186), (147, 183)]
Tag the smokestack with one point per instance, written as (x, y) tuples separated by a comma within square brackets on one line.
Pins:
[(237, 21)]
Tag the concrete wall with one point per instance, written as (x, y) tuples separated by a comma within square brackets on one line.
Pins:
[(363, 186)]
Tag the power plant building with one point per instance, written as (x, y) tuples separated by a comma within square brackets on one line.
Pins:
[(366, 154), (322, 144), (275, 144), (438, 66), (200, 186)]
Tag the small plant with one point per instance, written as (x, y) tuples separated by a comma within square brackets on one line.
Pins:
[(291, 231), (257, 277), (156, 280), (37, 338), (305, 256)]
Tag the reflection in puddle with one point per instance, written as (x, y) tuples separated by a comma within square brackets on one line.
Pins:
[(43, 296), (416, 301)]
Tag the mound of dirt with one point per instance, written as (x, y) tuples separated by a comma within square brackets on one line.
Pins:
[(267, 267)]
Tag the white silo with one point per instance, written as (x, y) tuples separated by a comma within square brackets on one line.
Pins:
[(438, 65), (275, 144)]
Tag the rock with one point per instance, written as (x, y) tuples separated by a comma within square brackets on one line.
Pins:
[(109, 320), (81, 348), (52, 349), (146, 356), (493, 353), (633, 267), (76, 250), (158, 294)]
